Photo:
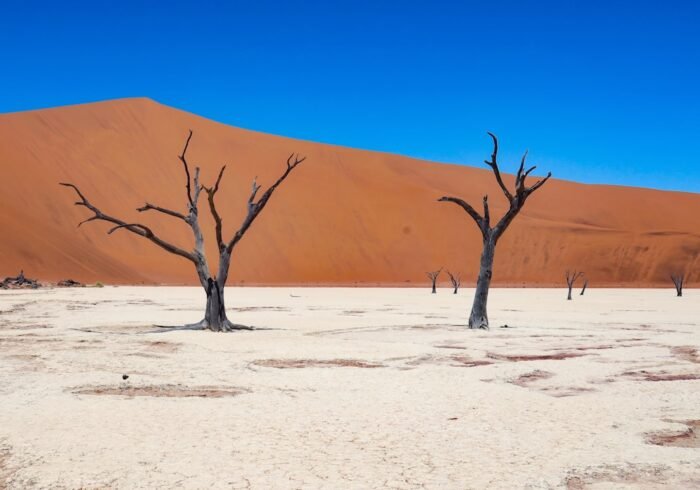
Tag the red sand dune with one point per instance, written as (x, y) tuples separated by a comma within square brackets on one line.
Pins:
[(344, 217)]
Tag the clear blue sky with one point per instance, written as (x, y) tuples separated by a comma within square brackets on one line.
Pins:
[(605, 92)]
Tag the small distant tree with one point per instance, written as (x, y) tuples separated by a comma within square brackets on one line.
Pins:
[(585, 285), (215, 313), (678, 280), (433, 278), (455, 280), (478, 317), (571, 278)]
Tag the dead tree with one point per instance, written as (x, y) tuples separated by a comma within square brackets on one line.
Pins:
[(571, 278), (19, 282), (433, 277), (585, 285), (455, 280), (678, 280), (490, 234), (215, 314)]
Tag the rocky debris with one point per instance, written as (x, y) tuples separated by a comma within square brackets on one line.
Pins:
[(19, 282), (69, 283)]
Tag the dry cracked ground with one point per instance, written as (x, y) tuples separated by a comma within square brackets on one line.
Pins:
[(349, 388)]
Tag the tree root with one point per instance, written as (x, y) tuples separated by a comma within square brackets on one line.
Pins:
[(481, 324), (238, 326), (227, 326)]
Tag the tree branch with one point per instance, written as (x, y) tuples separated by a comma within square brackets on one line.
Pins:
[(253, 193), (136, 228), (169, 212), (494, 165), (455, 280), (433, 275), (538, 184), (211, 192), (519, 178), (480, 221), (255, 207), (183, 159), (572, 277), (487, 216)]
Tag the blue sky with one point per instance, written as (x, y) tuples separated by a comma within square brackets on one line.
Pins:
[(600, 92)]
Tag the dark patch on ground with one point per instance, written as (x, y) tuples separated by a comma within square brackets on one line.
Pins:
[(18, 308), (534, 357), (687, 353), (167, 391), (28, 338), (162, 346), (354, 312), (454, 361), (690, 437), (566, 391), (643, 375), (464, 361), (594, 347), (261, 308), (315, 363), (525, 379)]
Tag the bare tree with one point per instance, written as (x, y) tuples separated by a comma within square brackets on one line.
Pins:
[(585, 285), (678, 280), (455, 280), (516, 200), (215, 314), (571, 278), (433, 277)]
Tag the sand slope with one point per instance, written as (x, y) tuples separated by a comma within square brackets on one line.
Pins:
[(346, 216)]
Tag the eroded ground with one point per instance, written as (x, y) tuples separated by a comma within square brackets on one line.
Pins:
[(349, 388)]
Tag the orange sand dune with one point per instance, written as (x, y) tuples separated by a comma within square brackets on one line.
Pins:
[(344, 217)]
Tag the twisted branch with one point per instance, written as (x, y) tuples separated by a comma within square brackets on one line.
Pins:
[(169, 212), (255, 207), (516, 201), (183, 159), (211, 192), (135, 228)]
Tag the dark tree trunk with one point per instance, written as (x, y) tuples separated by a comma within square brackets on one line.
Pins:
[(585, 285), (678, 280), (569, 296), (479, 316), (215, 318), (215, 313)]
